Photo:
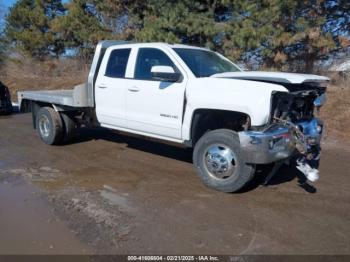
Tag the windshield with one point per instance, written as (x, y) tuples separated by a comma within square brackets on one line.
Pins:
[(205, 63)]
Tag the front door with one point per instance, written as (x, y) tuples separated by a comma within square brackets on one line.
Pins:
[(154, 106)]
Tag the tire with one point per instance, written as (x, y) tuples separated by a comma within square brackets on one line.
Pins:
[(7, 110), (10, 108), (218, 160), (69, 128), (49, 126)]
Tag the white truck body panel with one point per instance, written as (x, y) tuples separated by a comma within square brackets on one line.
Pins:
[(280, 77), (251, 98), (110, 103)]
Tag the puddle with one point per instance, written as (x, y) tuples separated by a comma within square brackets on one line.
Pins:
[(28, 225), (88, 212)]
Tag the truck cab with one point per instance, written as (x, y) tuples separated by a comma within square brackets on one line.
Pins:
[(142, 88)]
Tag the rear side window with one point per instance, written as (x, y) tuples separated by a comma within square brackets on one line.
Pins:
[(117, 63), (148, 57)]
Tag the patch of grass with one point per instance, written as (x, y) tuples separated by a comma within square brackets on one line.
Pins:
[(28, 74), (336, 111)]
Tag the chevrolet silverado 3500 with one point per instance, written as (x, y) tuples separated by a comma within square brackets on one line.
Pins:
[(233, 119)]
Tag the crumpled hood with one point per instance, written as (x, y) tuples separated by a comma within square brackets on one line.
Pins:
[(277, 77)]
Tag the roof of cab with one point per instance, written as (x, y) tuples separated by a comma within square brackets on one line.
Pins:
[(161, 44)]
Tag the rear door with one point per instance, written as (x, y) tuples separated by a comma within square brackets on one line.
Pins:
[(154, 106), (110, 87)]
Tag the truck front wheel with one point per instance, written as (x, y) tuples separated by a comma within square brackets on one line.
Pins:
[(49, 126), (218, 160)]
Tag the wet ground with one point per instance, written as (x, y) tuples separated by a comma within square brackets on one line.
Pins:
[(109, 193)]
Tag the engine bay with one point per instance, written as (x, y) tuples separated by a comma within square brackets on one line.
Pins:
[(298, 104)]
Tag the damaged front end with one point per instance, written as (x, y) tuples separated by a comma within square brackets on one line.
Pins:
[(293, 130)]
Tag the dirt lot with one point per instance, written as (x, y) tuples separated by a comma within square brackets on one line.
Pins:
[(113, 194)]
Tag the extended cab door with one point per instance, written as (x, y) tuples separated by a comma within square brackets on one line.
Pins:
[(110, 88), (153, 106)]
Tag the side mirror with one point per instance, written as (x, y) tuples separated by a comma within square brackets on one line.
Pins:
[(165, 74)]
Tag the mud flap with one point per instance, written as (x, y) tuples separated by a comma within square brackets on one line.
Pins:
[(34, 107)]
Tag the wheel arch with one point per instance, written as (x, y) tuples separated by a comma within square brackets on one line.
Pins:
[(33, 106), (206, 119)]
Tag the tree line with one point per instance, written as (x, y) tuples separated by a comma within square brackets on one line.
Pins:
[(280, 34)]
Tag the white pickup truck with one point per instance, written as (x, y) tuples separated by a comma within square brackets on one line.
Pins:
[(233, 119)]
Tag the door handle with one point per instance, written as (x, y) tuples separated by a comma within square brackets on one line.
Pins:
[(102, 86), (134, 89)]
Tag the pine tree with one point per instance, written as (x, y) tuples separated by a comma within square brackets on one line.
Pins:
[(287, 35), (80, 28), (3, 48), (187, 21), (28, 27)]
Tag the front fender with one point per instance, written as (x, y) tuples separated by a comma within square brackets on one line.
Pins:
[(248, 97)]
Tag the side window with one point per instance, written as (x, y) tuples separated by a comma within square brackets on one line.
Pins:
[(117, 63), (148, 57)]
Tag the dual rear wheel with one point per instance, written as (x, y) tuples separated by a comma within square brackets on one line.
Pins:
[(53, 127)]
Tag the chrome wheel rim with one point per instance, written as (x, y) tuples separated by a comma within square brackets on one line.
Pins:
[(44, 126), (220, 161)]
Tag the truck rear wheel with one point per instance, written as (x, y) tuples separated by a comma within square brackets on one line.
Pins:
[(69, 127), (49, 126), (218, 160)]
